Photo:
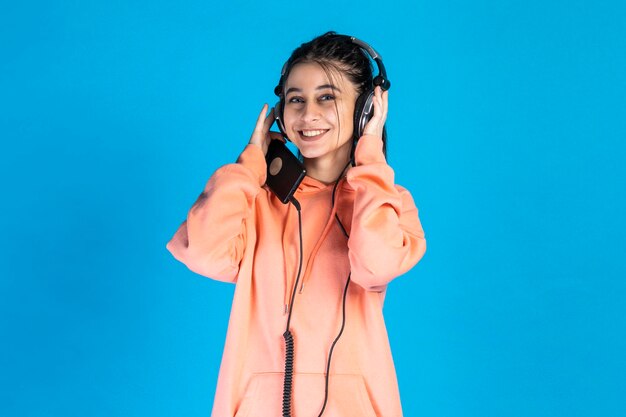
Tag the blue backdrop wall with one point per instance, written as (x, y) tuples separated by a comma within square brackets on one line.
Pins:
[(507, 122)]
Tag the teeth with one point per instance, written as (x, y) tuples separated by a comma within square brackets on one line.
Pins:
[(309, 133)]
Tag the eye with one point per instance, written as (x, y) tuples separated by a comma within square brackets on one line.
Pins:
[(327, 97), (295, 99)]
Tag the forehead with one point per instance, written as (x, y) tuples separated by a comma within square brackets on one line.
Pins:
[(309, 75)]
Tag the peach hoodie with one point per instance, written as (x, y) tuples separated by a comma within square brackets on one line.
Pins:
[(238, 231)]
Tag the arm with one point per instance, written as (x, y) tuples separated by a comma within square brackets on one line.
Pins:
[(211, 241), (386, 238)]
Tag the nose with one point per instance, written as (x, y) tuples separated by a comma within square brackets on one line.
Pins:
[(310, 112)]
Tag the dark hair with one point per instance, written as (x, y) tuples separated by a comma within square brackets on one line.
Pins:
[(335, 52)]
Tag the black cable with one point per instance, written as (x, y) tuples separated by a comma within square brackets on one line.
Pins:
[(289, 356), (343, 311), (330, 353), (343, 229), (289, 347)]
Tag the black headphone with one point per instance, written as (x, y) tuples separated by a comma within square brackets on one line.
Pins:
[(363, 108)]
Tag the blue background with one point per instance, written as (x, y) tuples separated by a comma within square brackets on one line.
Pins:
[(507, 122)]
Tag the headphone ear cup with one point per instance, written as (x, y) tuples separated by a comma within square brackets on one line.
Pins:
[(363, 112), (278, 117)]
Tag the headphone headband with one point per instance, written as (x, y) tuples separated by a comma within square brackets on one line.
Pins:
[(380, 79), (367, 47)]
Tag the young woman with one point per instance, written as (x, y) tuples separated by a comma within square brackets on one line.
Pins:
[(310, 279)]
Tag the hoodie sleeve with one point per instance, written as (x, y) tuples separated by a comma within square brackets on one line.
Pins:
[(212, 239), (386, 236)]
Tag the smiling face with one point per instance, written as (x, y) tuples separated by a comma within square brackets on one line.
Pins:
[(318, 115)]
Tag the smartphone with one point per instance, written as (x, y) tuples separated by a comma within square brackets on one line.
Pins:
[(284, 171)]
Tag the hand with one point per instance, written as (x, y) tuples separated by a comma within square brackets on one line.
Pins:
[(377, 122), (261, 136)]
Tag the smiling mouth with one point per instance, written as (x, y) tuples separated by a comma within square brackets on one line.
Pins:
[(309, 135)]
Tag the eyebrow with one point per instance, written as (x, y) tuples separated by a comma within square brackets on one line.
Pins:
[(321, 87)]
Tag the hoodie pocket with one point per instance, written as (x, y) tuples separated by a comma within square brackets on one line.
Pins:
[(347, 396)]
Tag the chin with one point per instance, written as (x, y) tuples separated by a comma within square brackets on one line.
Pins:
[(312, 149), (309, 153)]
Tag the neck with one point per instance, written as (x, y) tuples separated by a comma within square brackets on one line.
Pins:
[(329, 168)]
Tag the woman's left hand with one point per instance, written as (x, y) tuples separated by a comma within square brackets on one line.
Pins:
[(377, 122)]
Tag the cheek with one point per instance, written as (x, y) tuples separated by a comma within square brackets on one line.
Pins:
[(346, 111), (347, 118), (288, 119)]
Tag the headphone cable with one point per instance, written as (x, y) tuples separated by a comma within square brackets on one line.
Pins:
[(288, 336), (343, 311), (289, 354)]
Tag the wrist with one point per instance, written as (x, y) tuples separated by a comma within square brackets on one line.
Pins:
[(369, 149)]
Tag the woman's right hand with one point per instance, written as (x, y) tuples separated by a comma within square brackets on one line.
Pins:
[(261, 136)]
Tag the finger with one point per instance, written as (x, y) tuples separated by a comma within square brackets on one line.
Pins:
[(261, 118), (377, 108), (381, 96), (385, 103), (269, 120)]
